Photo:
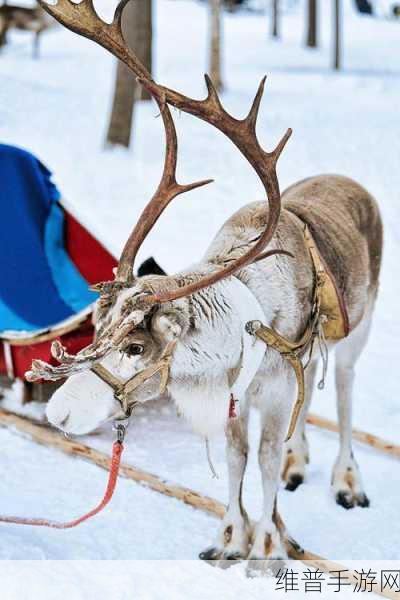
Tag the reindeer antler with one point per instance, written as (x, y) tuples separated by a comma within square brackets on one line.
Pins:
[(83, 19), (167, 190), (243, 134)]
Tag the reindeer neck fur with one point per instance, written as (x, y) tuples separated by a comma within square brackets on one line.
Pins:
[(277, 291), (212, 354), (282, 285)]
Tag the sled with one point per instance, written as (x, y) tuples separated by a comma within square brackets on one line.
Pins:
[(49, 259)]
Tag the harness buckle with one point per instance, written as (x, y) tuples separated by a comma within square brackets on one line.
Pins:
[(120, 426)]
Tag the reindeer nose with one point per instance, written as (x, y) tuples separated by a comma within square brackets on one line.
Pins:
[(64, 421)]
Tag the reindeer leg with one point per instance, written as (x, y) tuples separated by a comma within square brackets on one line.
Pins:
[(36, 45), (232, 541), (275, 413), (346, 478), (293, 549), (3, 32), (296, 455)]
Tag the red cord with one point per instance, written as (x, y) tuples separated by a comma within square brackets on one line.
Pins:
[(232, 408), (112, 481)]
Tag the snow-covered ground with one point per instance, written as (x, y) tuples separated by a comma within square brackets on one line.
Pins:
[(344, 123)]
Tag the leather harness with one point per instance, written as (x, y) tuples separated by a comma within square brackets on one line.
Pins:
[(122, 389), (328, 313)]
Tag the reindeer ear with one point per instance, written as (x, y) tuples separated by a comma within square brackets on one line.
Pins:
[(168, 325)]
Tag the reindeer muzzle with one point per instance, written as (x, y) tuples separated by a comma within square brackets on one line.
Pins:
[(123, 388)]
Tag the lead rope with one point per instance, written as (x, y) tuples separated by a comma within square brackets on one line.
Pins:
[(323, 350), (117, 450), (209, 459)]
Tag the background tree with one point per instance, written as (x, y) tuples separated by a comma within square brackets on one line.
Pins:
[(215, 68), (275, 19), (312, 24), (137, 27), (337, 34)]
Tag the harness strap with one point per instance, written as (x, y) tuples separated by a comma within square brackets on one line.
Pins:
[(292, 353), (328, 314), (106, 376), (332, 305), (123, 388)]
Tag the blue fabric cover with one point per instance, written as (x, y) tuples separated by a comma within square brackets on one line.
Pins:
[(39, 284)]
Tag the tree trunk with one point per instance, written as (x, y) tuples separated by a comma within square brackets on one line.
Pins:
[(137, 27), (312, 24), (275, 19), (145, 40), (337, 50), (215, 43)]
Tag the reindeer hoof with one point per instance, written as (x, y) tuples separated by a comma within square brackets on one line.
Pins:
[(345, 499), (236, 556), (210, 554), (348, 500), (261, 567), (363, 501), (294, 481)]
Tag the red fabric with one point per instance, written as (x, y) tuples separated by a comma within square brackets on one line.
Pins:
[(90, 257), (112, 482), (3, 368), (95, 264)]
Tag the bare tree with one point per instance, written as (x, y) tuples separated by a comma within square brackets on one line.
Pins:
[(215, 43), (337, 35), (137, 26), (144, 40), (312, 24), (275, 19)]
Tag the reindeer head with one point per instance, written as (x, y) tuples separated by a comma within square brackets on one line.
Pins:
[(140, 321)]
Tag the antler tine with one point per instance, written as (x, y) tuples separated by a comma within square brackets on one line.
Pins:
[(83, 19), (243, 134), (281, 145), (251, 118), (167, 190)]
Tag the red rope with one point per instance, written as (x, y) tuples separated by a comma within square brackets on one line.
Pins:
[(112, 481)]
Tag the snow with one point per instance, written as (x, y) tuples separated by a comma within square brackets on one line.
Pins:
[(345, 123)]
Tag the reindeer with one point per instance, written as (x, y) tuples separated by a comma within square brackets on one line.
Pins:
[(35, 20), (193, 333)]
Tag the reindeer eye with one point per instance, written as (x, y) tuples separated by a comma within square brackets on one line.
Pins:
[(133, 350)]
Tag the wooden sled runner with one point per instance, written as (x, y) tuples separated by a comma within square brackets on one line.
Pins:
[(50, 438)]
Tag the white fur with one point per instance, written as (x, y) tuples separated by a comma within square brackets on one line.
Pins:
[(205, 402), (84, 402), (81, 404)]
